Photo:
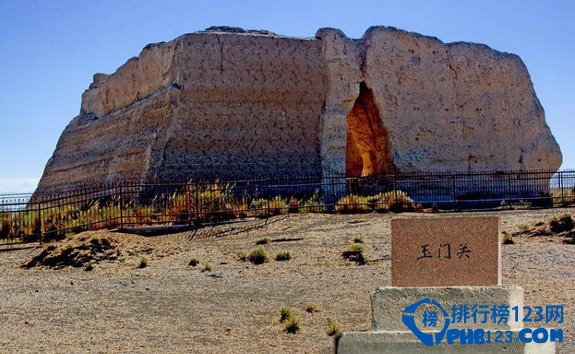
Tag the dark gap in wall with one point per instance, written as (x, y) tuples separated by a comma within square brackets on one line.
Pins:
[(367, 147)]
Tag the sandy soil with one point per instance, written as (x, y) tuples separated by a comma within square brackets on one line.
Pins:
[(170, 307)]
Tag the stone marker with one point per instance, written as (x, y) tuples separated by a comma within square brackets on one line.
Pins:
[(446, 262), (445, 251)]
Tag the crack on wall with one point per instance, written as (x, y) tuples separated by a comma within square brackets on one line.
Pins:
[(362, 49), (221, 55)]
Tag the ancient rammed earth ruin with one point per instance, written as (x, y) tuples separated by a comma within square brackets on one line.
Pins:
[(233, 104)]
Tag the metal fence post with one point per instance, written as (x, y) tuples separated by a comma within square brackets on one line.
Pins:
[(453, 189), (268, 196), (40, 223), (509, 189), (332, 192), (560, 175), (197, 197), (394, 188), (121, 208), (188, 199)]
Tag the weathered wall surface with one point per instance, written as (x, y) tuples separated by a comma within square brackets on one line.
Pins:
[(234, 104), (456, 107), (204, 106), (249, 106)]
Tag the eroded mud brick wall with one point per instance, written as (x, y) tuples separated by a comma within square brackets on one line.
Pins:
[(235, 104), (204, 106), (248, 107), (457, 106), (122, 118)]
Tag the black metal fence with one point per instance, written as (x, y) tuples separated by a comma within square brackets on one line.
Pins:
[(28, 218)]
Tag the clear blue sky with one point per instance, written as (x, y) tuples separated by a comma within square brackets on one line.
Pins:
[(49, 51)]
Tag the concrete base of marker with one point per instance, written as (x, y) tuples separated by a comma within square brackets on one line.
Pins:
[(402, 342), (388, 303), (390, 335)]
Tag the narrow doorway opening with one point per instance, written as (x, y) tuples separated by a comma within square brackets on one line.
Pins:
[(367, 146)]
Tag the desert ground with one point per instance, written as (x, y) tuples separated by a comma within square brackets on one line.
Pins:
[(172, 307)]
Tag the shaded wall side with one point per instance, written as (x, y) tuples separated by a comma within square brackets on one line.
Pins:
[(118, 146), (121, 123)]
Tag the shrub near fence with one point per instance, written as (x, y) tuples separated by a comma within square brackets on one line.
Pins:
[(25, 218), (17, 224)]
